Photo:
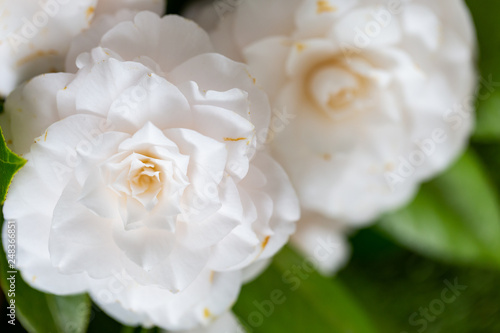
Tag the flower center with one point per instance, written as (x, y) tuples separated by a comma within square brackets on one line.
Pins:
[(145, 185), (145, 182), (140, 178), (337, 89), (333, 88)]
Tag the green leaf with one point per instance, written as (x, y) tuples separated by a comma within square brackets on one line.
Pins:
[(291, 297), (454, 217), (10, 163), (40, 312), (485, 15), (488, 119), (127, 329), (396, 285), (490, 157)]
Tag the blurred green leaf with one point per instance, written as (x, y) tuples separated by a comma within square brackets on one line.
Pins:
[(10, 163), (488, 120), (454, 217), (490, 156), (397, 284), (39, 312), (485, 15), (291, 297)]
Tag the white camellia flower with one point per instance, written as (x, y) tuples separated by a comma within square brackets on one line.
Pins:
[(35, 34), (382, 91), (145, 186)]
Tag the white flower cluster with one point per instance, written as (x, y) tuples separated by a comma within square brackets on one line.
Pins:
[(151, 155)]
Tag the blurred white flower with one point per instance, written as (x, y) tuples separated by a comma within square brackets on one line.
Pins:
[(146, 187), (382, 92), (35, 34), (226, 323), (323, 241)]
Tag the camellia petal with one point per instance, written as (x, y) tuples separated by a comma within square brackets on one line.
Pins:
[(36, 35), (42, 91)]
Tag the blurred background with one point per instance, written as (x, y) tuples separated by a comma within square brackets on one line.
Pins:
[(433, 266)]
